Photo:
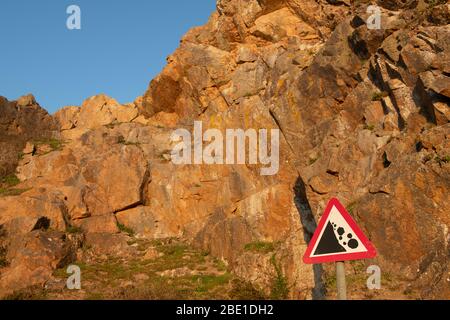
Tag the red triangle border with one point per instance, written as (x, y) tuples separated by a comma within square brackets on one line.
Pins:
[(371, 253)]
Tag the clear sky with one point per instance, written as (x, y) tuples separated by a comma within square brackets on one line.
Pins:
[(121, 46)]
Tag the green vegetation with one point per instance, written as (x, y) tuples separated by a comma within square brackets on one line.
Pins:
[(244, 290), (54, 144), (175, 250), (260, 247), (357, 276), (330, 282), (444, 159), (428, 158), (122, 140), (7, 185), (94, 296), (8, 192), (439, 159), (74, 230), (313, 160), (378, 96), (221, 266), (351, 207), (125, 229), (31, 293), (279, 289), (11, 180), (207, 283), (176, 271), (165, 155), (200, 276), (433, 3), (370, 127)]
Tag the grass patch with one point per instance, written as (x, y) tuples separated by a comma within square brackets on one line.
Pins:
[(125, 229), (173, 250), (433, 3), (74, 230), (165, 156), (122, 140), (31, 293), (7, 185), (351, 207), (260, 247), (313, 160), (330, 282), (174, 256), (244, 290), (8, 192), (116, 278), (279, 289), (55, 144), (155, 290), (95, 296), (441, 160), (209, 282), (378, 96), (11, 180), (220, 265), (114, 270)]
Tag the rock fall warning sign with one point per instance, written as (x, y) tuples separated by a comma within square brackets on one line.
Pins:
[(338, 238)]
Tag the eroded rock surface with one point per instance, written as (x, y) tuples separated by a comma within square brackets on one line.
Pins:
[(21, 121), (363, 116)]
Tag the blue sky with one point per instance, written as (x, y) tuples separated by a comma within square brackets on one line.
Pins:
[(121, 46)]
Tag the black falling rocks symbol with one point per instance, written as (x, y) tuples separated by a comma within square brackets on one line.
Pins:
[(329, 242)]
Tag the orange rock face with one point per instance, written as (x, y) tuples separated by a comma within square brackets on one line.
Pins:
[(362, 114)]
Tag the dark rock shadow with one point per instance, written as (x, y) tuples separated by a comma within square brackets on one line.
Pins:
[(309, 227)]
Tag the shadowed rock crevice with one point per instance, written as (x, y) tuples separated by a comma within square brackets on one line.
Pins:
[(309, 227)]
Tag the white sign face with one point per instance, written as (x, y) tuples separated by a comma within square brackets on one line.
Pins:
[(337, 237)]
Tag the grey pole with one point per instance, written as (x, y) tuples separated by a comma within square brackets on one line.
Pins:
[(340, 280)]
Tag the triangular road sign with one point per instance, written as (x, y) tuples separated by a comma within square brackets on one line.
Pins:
[(338, 238)]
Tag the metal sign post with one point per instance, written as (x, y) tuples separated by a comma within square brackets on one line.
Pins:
[(338, 239), (340, 281)]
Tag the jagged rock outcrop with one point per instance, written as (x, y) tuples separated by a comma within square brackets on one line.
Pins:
[(363, 116), (21, 121), (344, 99), (33, 258)]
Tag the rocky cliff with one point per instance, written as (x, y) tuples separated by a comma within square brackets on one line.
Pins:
[(21, 121), (363, 116)]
